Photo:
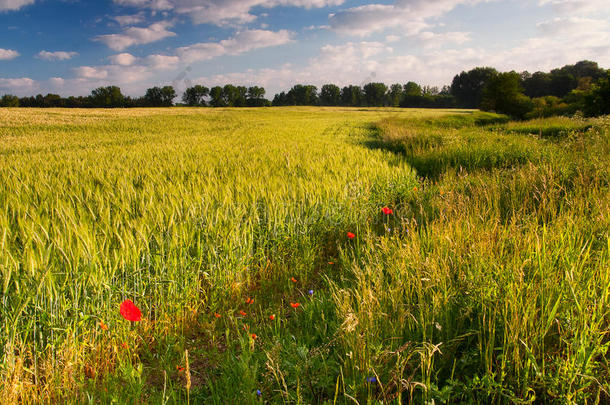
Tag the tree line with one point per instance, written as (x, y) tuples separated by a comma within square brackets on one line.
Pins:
[(583, 86)]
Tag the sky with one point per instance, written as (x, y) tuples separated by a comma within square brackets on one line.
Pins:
[(70, 47)]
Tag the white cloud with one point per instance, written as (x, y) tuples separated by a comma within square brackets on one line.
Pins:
[(8, 54), (410, 15), (54, 56), (112, 74), (136, 36), (129, 19), (18, 86), (578, 7), (430, 39), (90, 72), (57, 82), (222, 12), (123, 59), (392, 38), (241, 42), (10, 5), (162, 62)]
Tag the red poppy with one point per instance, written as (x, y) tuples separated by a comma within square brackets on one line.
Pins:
[(130, 311), (242, 313), (294, 280), (351, 235), (254, 336), (180, 369), (124, 345), (272, 317), (387, 211), (331, 263), (295, 304), (217, 315), (103, 325), (250, 301)]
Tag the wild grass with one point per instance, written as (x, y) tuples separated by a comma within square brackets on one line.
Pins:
[(489, 283)]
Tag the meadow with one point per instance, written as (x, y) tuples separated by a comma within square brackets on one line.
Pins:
[(256, 244)]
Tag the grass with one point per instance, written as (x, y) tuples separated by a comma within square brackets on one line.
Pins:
[(489, 283)]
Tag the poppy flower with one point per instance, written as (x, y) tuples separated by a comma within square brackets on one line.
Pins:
[(250, 301), (331, 263), (272, 317), (351, 235), (130, 312), (387, 211), (103, 325), (180, 369), (294, 280), (217, 315), (124, 345), (295, 304), (242, 313), (254, 336)]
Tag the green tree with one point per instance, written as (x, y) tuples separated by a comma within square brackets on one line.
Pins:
[(503, 93), (256, 97), (395, 95), (195, 96), (330, 94), (302, 95), (467, 87), (537, 84), (107, 97), (217, 97), (351, 96), (562, 83), (597, 100), (412, 89), (8, 100), (168, 94), (375, 94)]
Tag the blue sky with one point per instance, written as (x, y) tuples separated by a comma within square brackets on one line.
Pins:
[(72, 46)]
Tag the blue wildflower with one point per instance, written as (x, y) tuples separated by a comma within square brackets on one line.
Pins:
[(259, 393), (310, 292), (371, 379)]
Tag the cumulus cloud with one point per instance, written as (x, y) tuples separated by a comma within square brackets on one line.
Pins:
[(8, 54), (18, 86), (410, 15), (162, 62), (222, 12), (123, 59), (578, 7), (430, 39), (54, 56), (350, 63), (129, 19), (91, 72), (241, 42), (10, 5), (113, 74), (136, 36)]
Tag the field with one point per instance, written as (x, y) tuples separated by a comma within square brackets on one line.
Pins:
[(489, 282)]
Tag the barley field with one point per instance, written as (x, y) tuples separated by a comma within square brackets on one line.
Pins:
[(303, 255)]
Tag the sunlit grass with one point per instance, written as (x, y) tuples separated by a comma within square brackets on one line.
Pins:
[(488, 283)]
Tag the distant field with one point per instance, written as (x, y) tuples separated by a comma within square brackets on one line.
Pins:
[(489, 282)]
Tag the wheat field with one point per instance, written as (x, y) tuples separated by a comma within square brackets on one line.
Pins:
[(489, 281)]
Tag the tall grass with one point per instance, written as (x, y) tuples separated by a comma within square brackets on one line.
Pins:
[(489, 283)]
